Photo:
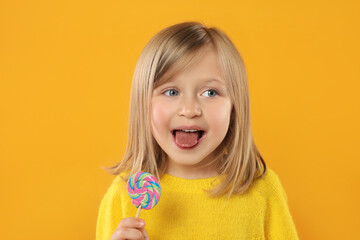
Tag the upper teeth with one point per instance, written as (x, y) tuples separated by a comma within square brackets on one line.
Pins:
[(185, 130)]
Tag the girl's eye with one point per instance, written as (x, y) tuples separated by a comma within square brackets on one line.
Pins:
[(171, 92), (212, 92)]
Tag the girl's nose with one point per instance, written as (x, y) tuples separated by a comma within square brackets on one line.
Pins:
[(189, 108)]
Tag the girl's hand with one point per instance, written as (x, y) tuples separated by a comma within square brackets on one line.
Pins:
[(130, 228)]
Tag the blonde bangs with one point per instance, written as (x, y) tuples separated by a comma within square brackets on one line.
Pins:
[(185, 61)]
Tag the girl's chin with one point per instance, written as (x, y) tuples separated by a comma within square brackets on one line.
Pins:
[(180, 161)]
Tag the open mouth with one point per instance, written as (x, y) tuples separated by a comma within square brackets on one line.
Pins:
[(200, 133), (188, 139)]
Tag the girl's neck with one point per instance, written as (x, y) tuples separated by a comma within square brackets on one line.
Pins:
[(190, 172)]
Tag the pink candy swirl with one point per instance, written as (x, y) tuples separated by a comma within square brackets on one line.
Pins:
[(144, 189)]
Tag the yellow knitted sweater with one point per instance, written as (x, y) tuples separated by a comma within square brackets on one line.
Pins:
[(185, 211)]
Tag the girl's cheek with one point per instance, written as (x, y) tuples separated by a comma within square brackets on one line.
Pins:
[(160, 114), (219, 115)]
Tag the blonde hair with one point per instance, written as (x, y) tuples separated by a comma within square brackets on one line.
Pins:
[(170, 51)]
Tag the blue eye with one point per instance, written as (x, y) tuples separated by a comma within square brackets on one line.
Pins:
[(213, 92), (171, 91)]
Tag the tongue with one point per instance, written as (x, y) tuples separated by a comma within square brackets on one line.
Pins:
[(186, 139)]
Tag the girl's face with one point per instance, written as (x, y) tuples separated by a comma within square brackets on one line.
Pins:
[(192, 98)]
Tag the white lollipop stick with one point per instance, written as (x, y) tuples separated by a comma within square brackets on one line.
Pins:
[(138, 211)]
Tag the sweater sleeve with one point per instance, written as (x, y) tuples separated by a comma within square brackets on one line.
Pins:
[(110, 212), (278, 220)]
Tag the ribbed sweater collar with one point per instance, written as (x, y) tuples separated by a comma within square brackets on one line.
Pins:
[(188, 185)]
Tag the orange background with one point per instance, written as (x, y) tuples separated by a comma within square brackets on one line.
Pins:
[(66, 70)]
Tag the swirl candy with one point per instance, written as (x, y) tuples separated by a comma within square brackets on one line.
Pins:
[(144, 189)]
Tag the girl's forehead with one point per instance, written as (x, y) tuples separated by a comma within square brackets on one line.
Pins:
[(181, 65)]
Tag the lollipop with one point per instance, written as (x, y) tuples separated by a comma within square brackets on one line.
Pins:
[(144, 189)]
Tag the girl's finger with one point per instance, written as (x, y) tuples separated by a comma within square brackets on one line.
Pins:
[(124, 233), (132, 222), (145, 234)]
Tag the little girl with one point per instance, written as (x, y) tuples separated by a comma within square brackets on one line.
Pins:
[(189, 126)]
